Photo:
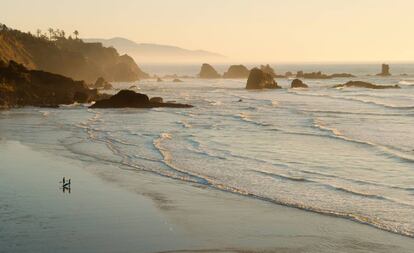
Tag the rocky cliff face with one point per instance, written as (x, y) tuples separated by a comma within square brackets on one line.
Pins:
[(68, 57), (22, 87)]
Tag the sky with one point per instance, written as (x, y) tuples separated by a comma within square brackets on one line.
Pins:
[(243, 30)]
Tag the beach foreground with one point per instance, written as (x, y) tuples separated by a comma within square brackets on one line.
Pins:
[(113, 210)]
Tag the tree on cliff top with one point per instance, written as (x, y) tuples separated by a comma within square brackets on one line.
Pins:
[(76, 33)]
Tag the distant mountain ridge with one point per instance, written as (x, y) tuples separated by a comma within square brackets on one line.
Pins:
[(150, 53)]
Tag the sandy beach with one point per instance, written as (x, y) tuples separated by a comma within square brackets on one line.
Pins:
[(206, 126), (113, 210)]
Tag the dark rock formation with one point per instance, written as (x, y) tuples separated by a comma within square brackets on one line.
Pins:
[(297, 83), (360, 84), (320, 75), (22, 87), (237, 71), (315, 75), (175, 76), (3, 64), (131, 99), (69, 57), (101, 83), (385, 70), (132, 87), (156, 100), (159, 80), (260, 80), (208, 72), (288, 74), (341, 75), (80, 97), (269, 70), (177, 80)]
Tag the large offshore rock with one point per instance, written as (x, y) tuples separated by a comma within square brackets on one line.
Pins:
[(208, 72), (260, 80)]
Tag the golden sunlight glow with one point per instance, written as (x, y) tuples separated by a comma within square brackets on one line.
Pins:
[(244, 30)]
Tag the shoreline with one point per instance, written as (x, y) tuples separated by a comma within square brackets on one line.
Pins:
[(199, 216)]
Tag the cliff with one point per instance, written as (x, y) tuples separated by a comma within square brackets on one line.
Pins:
[(20, 86), (66, 56)]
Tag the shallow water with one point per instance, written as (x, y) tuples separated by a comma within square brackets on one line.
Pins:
[(343, 152)]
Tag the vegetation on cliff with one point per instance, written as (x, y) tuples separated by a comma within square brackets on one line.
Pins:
[(57, 53)]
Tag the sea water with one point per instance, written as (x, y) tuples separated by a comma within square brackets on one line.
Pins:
[(345, 152)]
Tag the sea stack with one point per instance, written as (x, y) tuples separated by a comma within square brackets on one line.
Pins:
[(260, 80), (208, 72), (101, 83), (237, 71), (268, 69), (297, 83), (385, 70)]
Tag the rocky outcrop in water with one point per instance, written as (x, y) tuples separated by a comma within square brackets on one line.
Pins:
[(341, 75), (269, 70), (360, 84), (101, 83), (176, 80), (385, 70), (208, 72), (288, 74), (320, 75), (156, 100), (260, 80), (22, 87), (297, 83), (237, 71), (131, 99)]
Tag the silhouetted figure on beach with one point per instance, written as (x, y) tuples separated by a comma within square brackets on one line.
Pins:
[(65, 185), (66, 189)]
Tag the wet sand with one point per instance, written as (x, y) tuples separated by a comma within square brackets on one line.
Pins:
[(111, 209)]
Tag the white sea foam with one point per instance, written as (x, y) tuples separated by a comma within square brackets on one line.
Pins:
[(347, 153)]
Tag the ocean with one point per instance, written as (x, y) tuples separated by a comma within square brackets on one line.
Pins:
[(341, 152)]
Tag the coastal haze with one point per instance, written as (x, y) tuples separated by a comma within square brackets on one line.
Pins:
[(158, 54), (206, 126), (265, 30)]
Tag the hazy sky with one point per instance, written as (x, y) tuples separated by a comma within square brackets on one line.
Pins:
[(255, 30)]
